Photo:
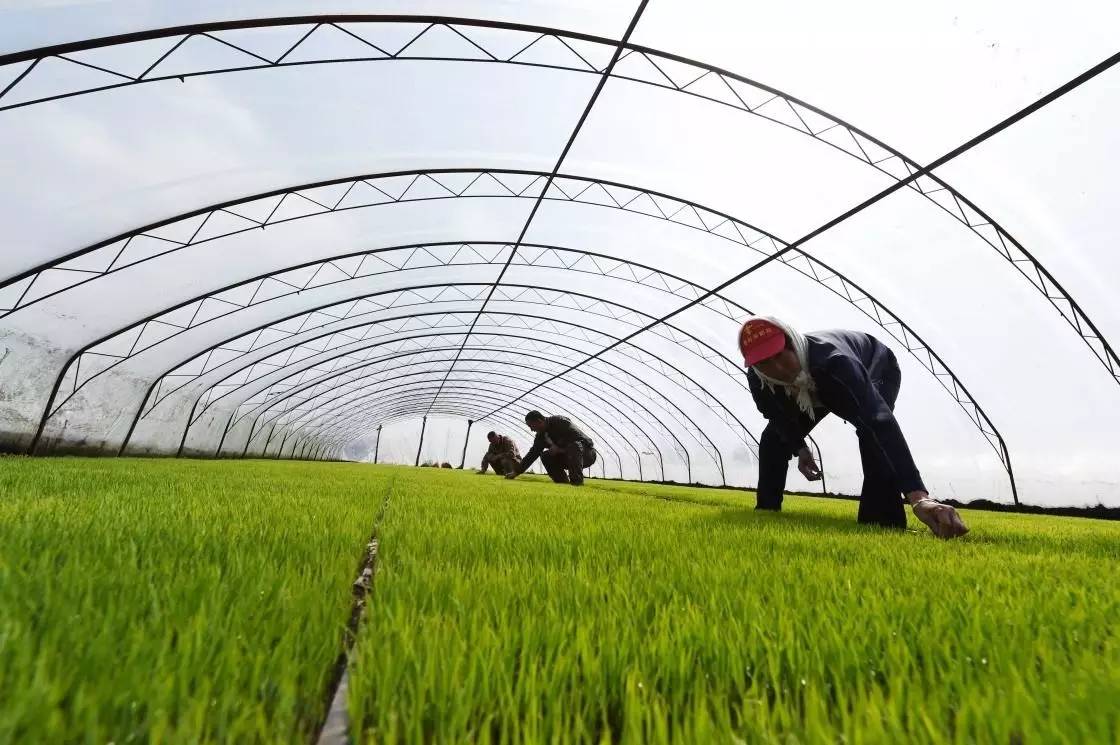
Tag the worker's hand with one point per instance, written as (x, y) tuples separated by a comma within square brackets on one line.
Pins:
[(807, 464), (511, 475), (941, 519)]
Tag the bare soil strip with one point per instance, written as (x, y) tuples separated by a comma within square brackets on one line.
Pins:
[(336, 727)]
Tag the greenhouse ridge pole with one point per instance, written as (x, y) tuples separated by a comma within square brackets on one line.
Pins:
[(466, 439), (618, 47), (419, 447)]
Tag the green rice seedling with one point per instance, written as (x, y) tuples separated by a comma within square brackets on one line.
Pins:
[(528, 612), (174, 601)]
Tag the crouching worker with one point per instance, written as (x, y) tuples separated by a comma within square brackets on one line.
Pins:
[(796, 380), (502, 455), (563, 449)]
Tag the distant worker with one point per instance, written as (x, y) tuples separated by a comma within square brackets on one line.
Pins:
[(796, 380), (502, 454), (563, 449)]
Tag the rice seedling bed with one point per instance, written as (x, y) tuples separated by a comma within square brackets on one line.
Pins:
[(530, 612), (172, 601), (175, 601)]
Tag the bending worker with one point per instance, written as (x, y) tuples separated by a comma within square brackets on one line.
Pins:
[(796, 380), (502, 454), (563, 449)]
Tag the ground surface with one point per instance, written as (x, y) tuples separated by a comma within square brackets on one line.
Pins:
[(171, 601)]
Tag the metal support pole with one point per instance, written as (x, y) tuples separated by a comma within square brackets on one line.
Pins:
[(283, 443), (377, 444), (466, 439), (271, 432), (423, 426)]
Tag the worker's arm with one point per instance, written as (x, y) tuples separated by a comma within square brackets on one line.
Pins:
[(856, 399), (530, 457), (768, 406)]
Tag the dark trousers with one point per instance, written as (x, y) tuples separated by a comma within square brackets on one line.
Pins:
[(879, 502), (567, 467), (503, 463)]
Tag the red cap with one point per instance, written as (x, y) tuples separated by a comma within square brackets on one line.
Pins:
[(759, 340)]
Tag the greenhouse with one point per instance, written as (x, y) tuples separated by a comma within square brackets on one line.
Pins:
[(367, 233)]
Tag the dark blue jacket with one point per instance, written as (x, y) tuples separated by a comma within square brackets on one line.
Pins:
[(857, 378)]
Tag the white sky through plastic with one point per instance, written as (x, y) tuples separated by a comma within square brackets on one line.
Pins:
[(182, 260)]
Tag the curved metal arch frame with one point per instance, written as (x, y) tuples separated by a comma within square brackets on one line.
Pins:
[(460, 393), (466, 412), (653, 417), (274, 400), (791, 112), (304, 442), (691, 427), (426, 394), (816, 270), (326, 414), (72, 367), (467, 393), (343, 329), (418, 405), (404, 414), (400, 384), (339, 392), (328, 410), (488, 183), (334, 353), (596, 299), (309, 448), (541, 320)]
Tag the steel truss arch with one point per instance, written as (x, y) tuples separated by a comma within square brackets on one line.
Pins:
[(399, 383), (464, 394), (538, 323), (328, 383), (467, 390), (111, 350), (329, 413), (274, 394), (421, 401), (308, 447), (535, 325), (693, 78), (633, 199), (678, 337), (603, 379), (306, 444)]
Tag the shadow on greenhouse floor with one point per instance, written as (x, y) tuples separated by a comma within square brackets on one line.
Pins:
[(1029, 542), (752, 518)]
